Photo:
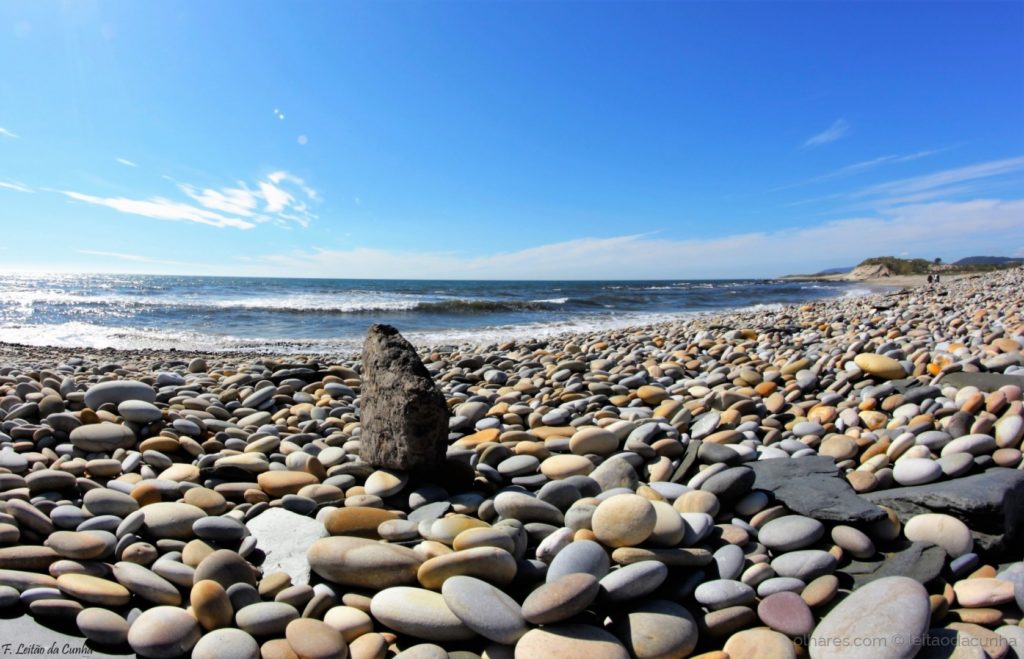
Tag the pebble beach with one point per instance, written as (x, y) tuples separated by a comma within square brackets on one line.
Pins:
[(840, 478)]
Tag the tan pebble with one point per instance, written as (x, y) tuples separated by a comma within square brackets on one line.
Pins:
[(623, 520), (490, 564), (820, 591), (697, 501), (93, 589), (759, 644), (349, 621), (278, 648), (211, 605), (361, 522), (725, 622), (315, 639), (983, 592)]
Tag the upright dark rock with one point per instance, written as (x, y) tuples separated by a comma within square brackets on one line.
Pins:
[(404, 416)]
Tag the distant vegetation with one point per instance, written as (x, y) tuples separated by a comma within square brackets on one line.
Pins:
[(834, 271), (990, 260), (900, 266)]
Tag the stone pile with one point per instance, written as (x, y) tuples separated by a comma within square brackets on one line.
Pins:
[(773, 483)]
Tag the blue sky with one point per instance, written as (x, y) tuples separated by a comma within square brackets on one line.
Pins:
[(507, 140)]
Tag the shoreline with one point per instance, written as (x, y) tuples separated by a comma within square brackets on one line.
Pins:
[(847, 457), (669, 322)]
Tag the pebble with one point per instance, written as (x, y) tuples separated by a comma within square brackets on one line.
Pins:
[(890, 609), (657, 628), (570, 640), (363, 563), (418, 612), (484, 609), (790, 532), (561, 599), (265, 618), (102, 626), (315, 639), (226, 644), (624, 520), (163, 632), (943, 530)]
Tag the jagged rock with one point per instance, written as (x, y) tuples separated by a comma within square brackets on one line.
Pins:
[(920, 561), (813, 487), (285, 537), (990, 503), (404, 415)]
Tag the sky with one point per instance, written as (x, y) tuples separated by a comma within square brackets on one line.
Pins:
[(507, 140)]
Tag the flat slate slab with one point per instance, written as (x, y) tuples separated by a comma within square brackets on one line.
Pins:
[(812, 486), (920, 561), (990, 503)]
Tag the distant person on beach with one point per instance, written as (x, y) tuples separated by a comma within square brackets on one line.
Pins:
[(930, 279)]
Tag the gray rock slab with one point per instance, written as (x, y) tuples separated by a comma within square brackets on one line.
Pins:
[(990, 503), (813, 487), (920, 561)]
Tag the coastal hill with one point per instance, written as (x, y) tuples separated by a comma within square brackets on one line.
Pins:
[(887, 267)]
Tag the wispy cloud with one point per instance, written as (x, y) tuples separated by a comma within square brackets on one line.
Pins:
[(16, 186), (860, 167), (6, 133), (839, 128), (126, 162), (159, 208), (937, 184), (926, 230), (280, 198), (136, 258)]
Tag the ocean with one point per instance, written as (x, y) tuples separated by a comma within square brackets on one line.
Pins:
[(331, 315)]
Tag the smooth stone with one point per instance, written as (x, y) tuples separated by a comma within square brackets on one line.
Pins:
[(880, 366), (265, 618), (892, 611), (721, 593), (853, 541), (315, 639), (226, 644), (104, 501), (102, 437), (760, 644), (790, 532), (804, 564), (226, 568), (526, 508), (977, 444), (279, 483), (146, 584), (491, 564), (171, 520), (93, 589), (624, 520), (139, 411), (219, 529), (78, 546), (163, 632), (570, 641), (560, 599), (730, 484), (211, 604), (916, 471), (584, 556), (385, 483), (786, 612), (118, 391), (956, 464), (657, 628), (593, 440), (983, 592), (102, 626), (43, 480), (632, 581), (359, 562), (484, 609), (729, 561), (418, 612), (943, 530)]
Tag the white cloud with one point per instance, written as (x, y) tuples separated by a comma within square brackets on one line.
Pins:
[(924, 230), (159, 208), (6, 133), (836, 131), (275, 199), (16, 186), (236, 201), (126, 162), (939, 182)]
